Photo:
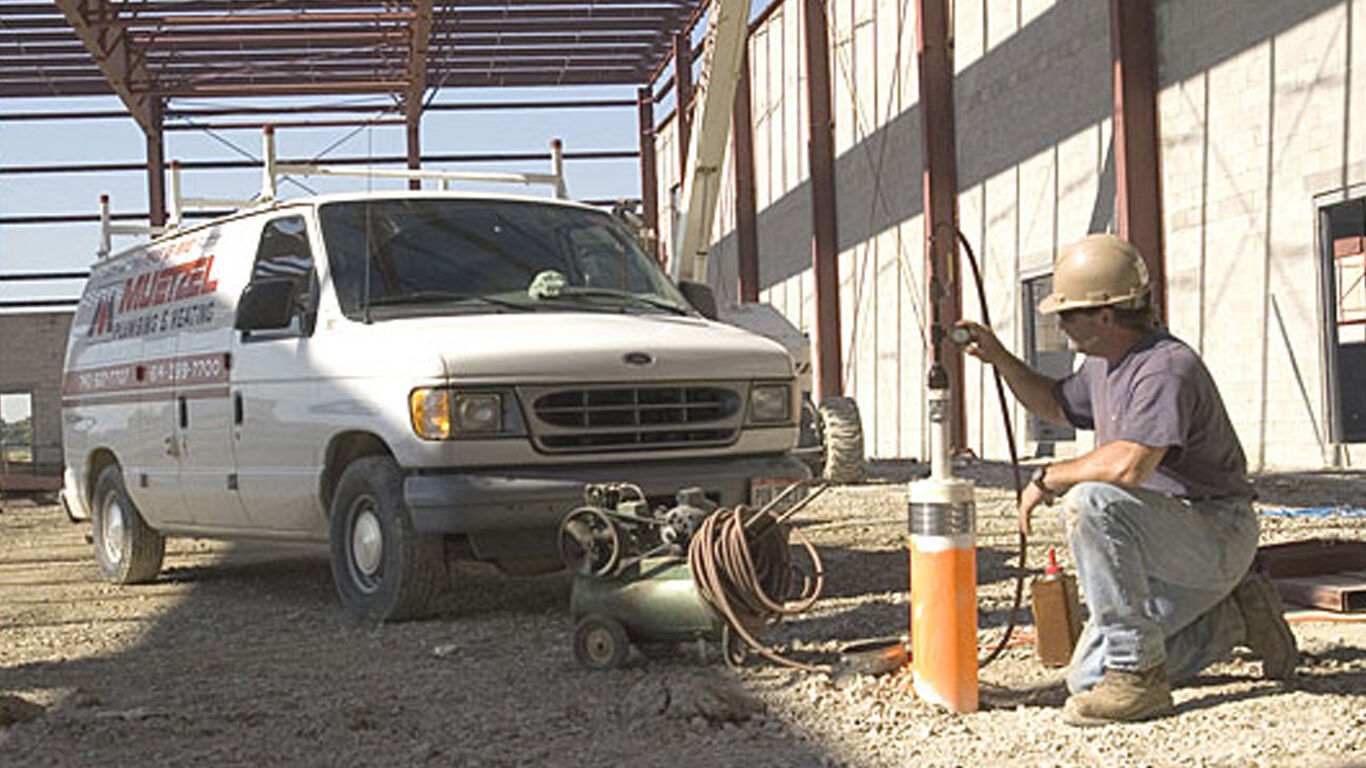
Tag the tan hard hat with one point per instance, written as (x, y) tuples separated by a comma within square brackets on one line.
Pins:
[(1097, 271)]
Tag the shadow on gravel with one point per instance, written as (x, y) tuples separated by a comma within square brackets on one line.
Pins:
[(250, 660), (985, 474), (1311, 489), (1316, 488)]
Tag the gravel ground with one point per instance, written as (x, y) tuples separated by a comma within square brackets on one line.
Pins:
[(241, 655)]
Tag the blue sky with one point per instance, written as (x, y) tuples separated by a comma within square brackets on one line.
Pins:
[(69, 247)]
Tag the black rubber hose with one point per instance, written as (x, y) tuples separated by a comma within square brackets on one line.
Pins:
[(1014, 460)]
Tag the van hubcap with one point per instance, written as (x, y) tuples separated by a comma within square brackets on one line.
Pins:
[(113, 530), (367, 543)]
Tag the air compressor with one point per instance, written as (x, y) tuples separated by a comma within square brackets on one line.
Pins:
[(632, 583), (691, 571)]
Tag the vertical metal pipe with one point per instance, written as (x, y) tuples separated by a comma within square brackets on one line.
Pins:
[(683, 98), (156, 166), (176, 213), (939, 154), (105, 239), (649, 176), (557, 168), (268, 190), (820, 150), (1133, 50), (413, 128), (746, 215)]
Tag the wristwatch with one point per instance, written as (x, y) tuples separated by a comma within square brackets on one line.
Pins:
[(1040, 475)]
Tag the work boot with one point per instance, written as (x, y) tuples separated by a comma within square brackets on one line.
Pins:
[(1121, 696), (1268, 635)]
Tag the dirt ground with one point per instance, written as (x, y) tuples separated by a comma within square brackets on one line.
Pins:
[(241, 655)]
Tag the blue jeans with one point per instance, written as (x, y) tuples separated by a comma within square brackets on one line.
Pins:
[(1157, 574)]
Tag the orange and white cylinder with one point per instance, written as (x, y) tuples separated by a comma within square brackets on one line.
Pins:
[(943, 580)]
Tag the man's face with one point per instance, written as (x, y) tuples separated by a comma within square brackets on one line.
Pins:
[(1085, 328)]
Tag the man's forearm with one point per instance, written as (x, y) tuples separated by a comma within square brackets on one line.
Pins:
[(1033, 389)]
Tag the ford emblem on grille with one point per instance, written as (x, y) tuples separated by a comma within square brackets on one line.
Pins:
[(637, 358)]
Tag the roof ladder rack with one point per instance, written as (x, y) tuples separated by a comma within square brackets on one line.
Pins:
[(109, 229), (272, 170)]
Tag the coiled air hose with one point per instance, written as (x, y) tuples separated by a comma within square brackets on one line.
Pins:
[(742, 565)]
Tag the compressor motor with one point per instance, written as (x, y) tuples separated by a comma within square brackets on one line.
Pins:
[(615, 528)]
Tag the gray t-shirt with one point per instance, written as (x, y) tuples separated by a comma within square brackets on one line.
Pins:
[(1161, 395)]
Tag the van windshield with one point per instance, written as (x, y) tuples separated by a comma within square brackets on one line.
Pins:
[(406, 256)]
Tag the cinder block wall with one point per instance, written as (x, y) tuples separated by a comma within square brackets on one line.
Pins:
[(32, 349)]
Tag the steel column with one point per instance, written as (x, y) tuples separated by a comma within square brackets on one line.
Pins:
[(746, 215), (649, 176), (1133, 47), (683, 98), (820, 149), (413, 130), (420, 29), (939, 155), (156, 165)]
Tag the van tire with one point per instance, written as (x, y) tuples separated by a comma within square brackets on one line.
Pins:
[(384, 570), (127, 550), (842, 436)]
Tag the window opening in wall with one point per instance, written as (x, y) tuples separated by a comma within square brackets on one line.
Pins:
[(1047, 352), (16, 433), (1342, 230)]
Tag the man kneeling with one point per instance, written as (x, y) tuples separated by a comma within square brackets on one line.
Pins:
[(1159, 515)]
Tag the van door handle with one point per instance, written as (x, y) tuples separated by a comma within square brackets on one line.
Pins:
[(184, 413), (237, 408)]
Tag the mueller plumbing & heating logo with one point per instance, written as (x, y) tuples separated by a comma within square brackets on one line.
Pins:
[(157, 301)]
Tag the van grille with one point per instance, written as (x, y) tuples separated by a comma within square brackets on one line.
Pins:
[(636, 418)]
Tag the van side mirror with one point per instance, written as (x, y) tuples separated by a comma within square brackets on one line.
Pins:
[(267, 304), (699, 295)]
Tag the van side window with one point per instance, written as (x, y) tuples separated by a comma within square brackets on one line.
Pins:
[(284, 253)]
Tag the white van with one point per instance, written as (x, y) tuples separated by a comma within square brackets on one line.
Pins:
[(407, 376)]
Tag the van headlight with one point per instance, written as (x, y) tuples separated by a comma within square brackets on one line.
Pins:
[(478, 413), (439, 413), (770, 403)]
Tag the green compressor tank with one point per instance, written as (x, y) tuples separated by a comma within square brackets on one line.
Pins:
[(653, 601)]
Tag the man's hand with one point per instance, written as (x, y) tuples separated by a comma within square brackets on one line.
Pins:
[(1030, 498), (1033, 389), (982, 343)]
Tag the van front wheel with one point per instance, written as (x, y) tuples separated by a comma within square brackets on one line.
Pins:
[(127, 550), (383, 569)]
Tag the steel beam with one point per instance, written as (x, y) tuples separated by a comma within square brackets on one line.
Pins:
[(939, 155), (1138, 193), (649, 176), (312, 18), (820, 149), (472, 157), (746, 209), (116, 59)]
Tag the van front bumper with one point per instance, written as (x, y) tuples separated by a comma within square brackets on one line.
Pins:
[(523, 498)]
